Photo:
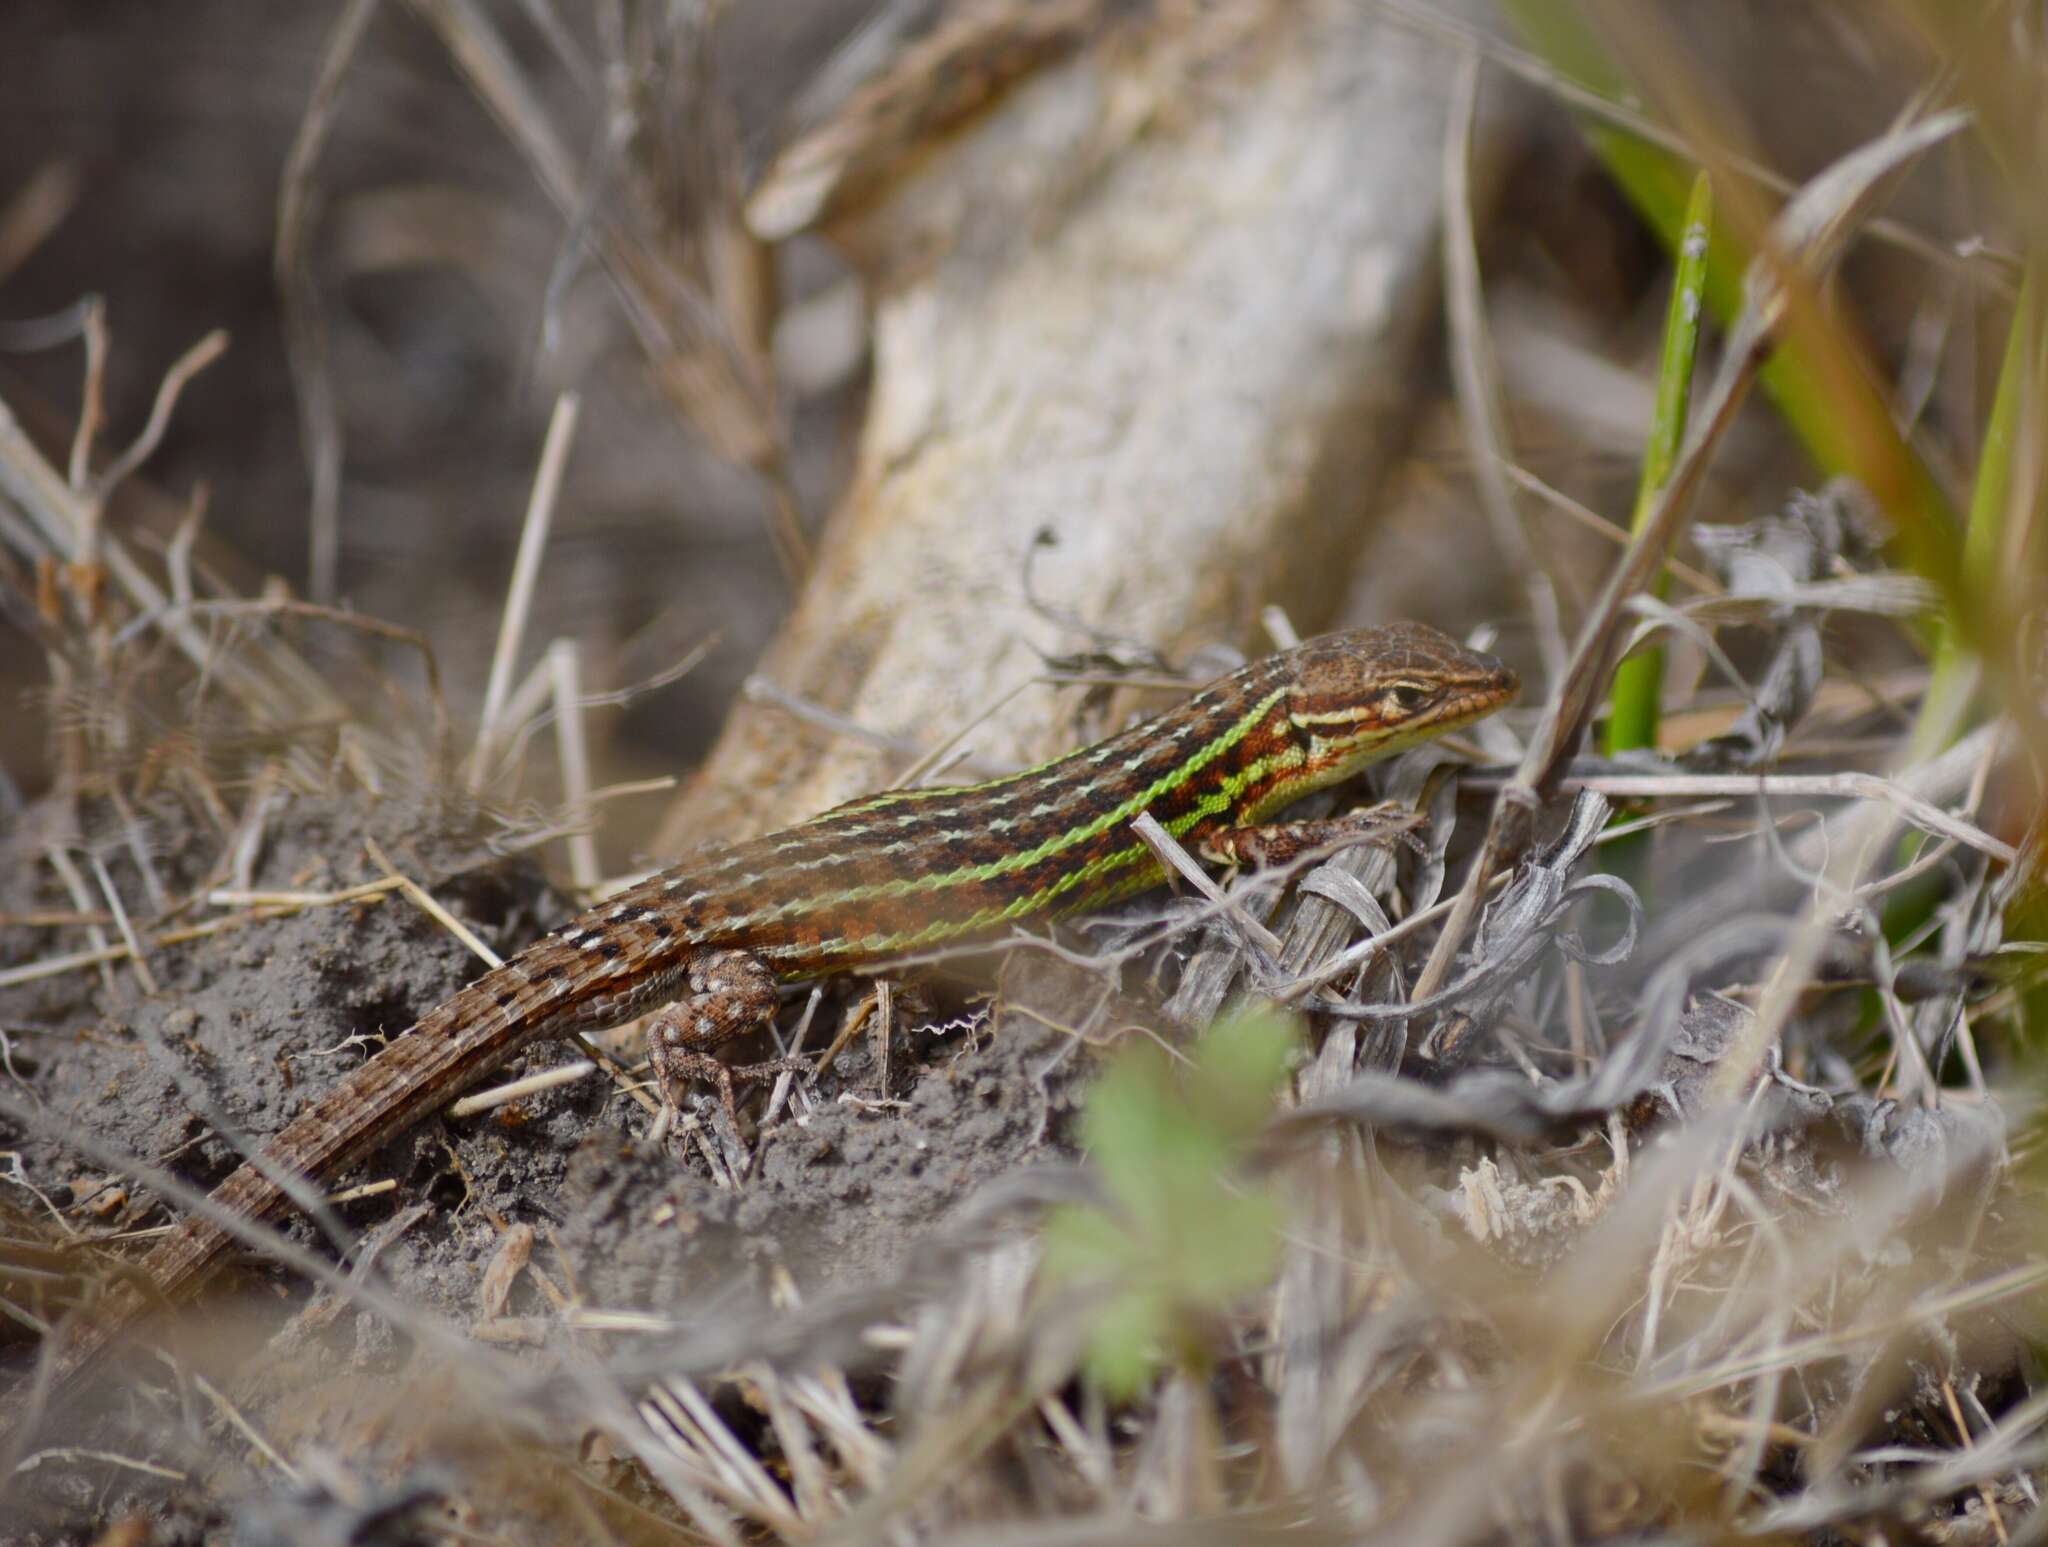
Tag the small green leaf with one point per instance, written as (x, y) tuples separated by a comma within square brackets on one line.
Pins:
[(1126, 1343), (1181, 1238), (1240, 1064)]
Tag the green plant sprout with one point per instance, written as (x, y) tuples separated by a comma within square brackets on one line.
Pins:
[(1182, 1234), (1639, 680)]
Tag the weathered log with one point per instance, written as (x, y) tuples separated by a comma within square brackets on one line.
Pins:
[(1162, 294)]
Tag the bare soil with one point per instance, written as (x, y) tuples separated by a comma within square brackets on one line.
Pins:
[(248, 1025)]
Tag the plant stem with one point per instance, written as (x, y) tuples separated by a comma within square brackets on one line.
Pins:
[(1639, 680)]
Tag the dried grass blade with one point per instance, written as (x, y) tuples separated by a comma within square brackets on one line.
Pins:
[(1807, 238)]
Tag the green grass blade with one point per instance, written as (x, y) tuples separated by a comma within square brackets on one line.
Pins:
[(1823, 388), (1639, 680), (1945, 709)]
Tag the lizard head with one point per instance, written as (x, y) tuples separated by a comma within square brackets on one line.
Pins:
[(1357, 697)]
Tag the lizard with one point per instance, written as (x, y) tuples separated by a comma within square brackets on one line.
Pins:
[(866, 883)]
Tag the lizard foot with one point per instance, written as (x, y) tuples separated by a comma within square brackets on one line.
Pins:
[(731, 994)]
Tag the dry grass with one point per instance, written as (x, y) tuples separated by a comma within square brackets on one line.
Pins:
[(1665, 1174)]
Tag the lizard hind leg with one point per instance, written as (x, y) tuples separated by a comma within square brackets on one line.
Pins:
[(731, 994)]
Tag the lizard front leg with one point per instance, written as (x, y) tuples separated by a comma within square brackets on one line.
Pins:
[(1281, 843), (731, 994)]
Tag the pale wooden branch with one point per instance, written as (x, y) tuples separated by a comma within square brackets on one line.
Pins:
[(1187, 353)]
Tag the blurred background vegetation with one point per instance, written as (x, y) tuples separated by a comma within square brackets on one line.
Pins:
[(144, 164)]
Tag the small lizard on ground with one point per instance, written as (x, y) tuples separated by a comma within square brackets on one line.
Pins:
[(867, 883)]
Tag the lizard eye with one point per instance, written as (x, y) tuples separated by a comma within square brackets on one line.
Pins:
[(1407, 697)]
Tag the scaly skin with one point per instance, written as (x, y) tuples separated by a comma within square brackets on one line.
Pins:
[(867, 883)]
